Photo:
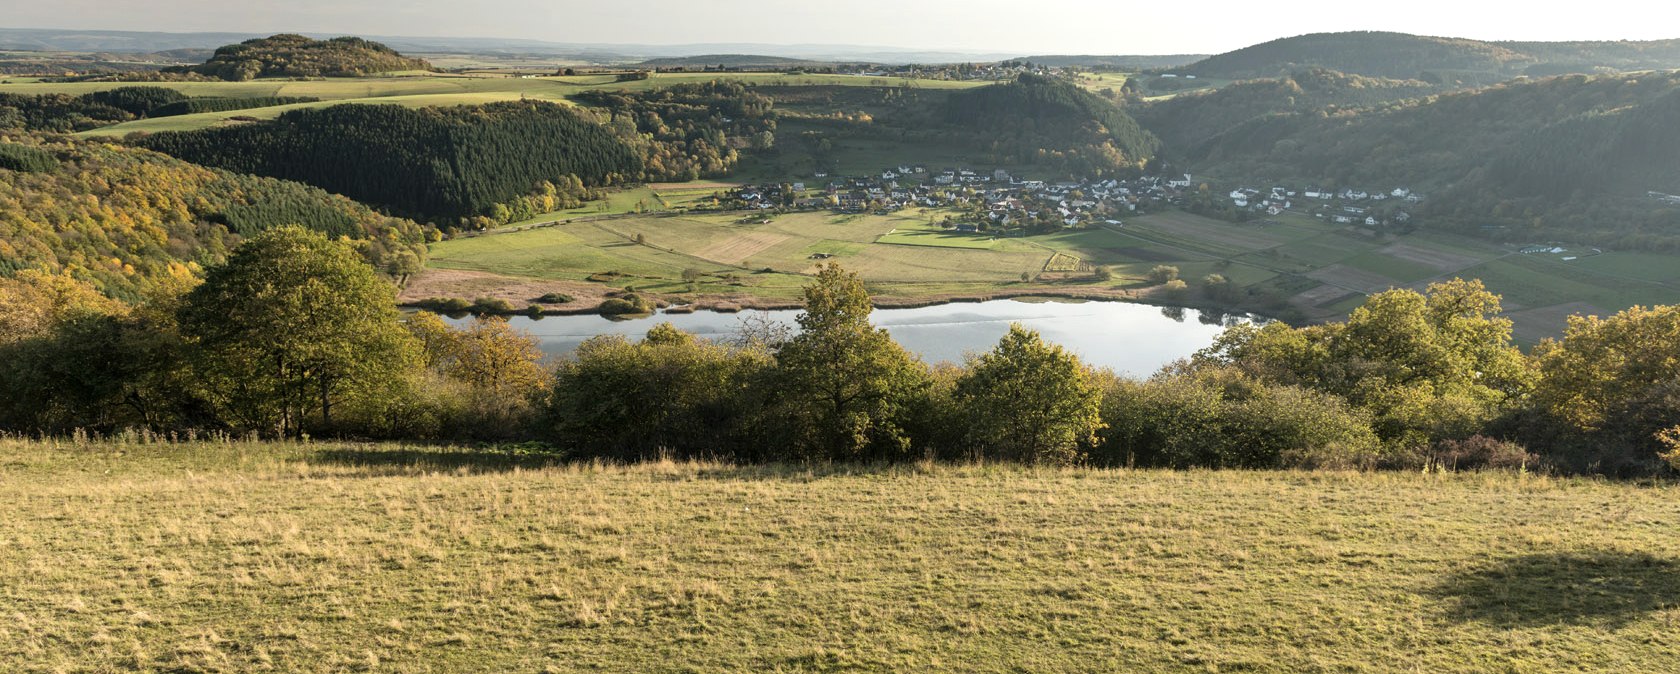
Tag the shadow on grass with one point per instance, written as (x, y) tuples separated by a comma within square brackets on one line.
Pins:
[(1600, 588), (435, 460)]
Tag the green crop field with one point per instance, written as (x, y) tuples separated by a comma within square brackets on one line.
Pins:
[(324, 557)]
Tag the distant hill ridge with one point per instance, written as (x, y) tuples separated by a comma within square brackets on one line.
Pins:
[(289, 55), (1436, 59), (726, 60)]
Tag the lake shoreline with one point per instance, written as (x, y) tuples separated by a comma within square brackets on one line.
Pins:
[(589, 297), (1130, 337)]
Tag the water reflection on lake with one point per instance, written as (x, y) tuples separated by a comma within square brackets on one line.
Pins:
[(1135, 339)]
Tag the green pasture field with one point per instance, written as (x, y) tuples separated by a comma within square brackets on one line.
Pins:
[(905, 254), (330, 557), (938, 238), (664, 198), (1401, 270), (723, 244), (427, 89), (1640, 266)]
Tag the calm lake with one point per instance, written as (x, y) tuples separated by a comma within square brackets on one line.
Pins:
[(1134, 339)]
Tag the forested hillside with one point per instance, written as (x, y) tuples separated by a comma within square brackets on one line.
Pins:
[(1556, 58), (451, 165), (121, 218), (1587, 143), (687, 131), (1184, 122), (1589, 175), (1048, 121), (1373, 54), (1439, 60), (288, 55), (63, 113)]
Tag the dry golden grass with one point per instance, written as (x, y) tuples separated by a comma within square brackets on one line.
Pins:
[(326, 557)]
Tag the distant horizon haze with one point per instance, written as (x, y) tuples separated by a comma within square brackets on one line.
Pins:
[(973, 26)]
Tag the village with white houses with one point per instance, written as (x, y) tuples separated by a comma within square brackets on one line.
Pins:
[(1349, 206), (982, 200), (998, 200)]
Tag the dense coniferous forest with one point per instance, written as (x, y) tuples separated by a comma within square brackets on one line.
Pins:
[(62, 113), (224, 104), (1044, 120), (438, 164), (121, 219), (288, 55)]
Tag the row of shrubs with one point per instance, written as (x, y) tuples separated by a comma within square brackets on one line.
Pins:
[(225, 104), (1410, 381), (491, 306)]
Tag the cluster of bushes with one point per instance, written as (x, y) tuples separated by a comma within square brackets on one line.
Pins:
[(295, 335)]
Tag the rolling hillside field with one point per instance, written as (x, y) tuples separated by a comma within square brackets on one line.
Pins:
[(424, 89), (316, 557)]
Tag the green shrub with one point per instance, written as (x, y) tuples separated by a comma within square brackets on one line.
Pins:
[(1220, 418), (492, 305), (1481, 452), (26, 159), (630, 303)]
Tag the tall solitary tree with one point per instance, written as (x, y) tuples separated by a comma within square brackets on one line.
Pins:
[(289, 327), (846, 387)]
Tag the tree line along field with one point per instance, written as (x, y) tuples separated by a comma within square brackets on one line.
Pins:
[(1319, 270), (421, 90), (302, 557)]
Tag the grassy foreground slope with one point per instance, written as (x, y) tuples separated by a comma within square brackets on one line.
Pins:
[(267, 557)]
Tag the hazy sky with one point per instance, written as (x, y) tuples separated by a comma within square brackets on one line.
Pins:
[(1025, 26)]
